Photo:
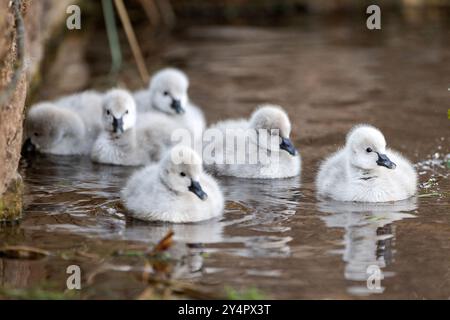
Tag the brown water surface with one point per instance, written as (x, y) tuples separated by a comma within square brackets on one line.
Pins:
[(274, 235)]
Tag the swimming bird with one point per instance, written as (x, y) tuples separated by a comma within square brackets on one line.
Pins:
[(174, 190), (364, 170), (258, 147), (123, 141), (67, 126), (167, 94)]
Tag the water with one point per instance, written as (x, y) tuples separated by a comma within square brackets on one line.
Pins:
[(274, 235)]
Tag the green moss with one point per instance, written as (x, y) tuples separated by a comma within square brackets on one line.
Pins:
[(247, 294), (37, 294), (11, 201)]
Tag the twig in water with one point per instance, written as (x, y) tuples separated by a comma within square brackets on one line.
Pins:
[(23, 252)]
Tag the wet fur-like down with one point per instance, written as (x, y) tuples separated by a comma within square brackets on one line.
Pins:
[(153, 100), (67, 126), (139, 144), (158, 192), (266, 117), (353, 175)]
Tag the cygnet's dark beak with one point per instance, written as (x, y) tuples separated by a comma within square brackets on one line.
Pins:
[(176, 105), (28, 148), (384, 161), (196, 188), (286, 144), (118, 125)]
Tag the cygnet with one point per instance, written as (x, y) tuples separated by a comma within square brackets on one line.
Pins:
[(123, 142), (364, 170), (67, 126), (167, 94), (175, 190), (259, 147)]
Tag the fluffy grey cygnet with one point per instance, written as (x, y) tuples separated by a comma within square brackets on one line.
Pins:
[(364, 170), (281, 159), (167, 94), (67, 126), (175, 190), (122, 141)]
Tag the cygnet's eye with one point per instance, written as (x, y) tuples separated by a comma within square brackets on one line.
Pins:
[(108, 112), (182, 174), (126, 112), (36, 134), (369, 149), (166, 93)]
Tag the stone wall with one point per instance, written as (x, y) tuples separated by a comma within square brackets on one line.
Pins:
[(40, 17)]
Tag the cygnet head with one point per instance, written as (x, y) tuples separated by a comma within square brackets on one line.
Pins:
[(169, 91), (181, 169), (275, 120), (46, 124), (366, 148), (119, 111)]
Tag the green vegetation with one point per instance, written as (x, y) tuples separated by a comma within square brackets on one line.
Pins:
[(11, 202), (37, 293), (246, 294)]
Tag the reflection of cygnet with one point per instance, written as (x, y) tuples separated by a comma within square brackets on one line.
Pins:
[(122, 142), (365, 171), (175, 190), (256, 148), (362, 213), (366, 239), (210, 231), (167, 94), (68, 126)]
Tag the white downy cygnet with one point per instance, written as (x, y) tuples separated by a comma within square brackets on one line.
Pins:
[(175, 190), (167, 94), (265, 136), (122, 141), (366, 171), (68, 126)]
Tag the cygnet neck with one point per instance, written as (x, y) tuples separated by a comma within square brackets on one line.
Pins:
[(72, 125), (359, 173), (165, 183), (126, 138)]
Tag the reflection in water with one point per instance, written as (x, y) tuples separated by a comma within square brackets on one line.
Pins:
[(268, 203), (20, 273), (74, 196), (369, 235), (205, 232), (270, 234), (264, 207)]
